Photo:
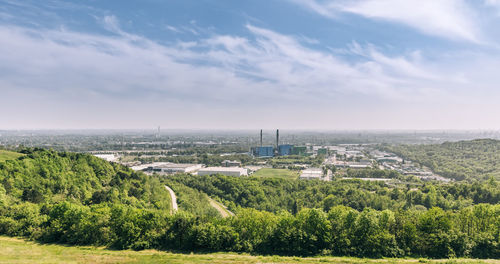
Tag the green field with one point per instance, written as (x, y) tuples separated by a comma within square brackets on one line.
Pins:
[(14, 250), (276, 173), (8, 155)]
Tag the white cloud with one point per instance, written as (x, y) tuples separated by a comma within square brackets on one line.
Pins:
[(248, 78), (492, 2), (452, 19), (173, 29)]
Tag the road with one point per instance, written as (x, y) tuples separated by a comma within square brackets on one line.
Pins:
[(219, 207), (173, 198)]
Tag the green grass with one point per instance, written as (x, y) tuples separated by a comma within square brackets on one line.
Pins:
[(192, 200), (276, 173), (9, 155), (14, 250)]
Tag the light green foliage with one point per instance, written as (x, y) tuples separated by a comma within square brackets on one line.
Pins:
[(106, 204), (463, 160), (275, 194), (9, 155), (192, 200), (14, 250), (43, 176)]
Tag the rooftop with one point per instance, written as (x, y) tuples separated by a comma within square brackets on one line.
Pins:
[(176, 165), (224, 169)]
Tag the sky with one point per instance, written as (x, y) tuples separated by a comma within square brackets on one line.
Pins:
[(250, 64)]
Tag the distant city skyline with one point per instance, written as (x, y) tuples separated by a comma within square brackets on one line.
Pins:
[(224, 64)]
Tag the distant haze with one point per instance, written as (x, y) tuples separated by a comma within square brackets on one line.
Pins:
[(225, 64)]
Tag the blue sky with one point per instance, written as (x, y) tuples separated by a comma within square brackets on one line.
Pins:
[(225, 64)]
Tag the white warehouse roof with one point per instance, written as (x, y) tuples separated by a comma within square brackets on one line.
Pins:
[(311, 173), (229, 171)]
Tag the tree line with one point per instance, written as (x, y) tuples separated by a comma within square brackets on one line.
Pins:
[(78, 199), (343, 231), (274, 194), (463, 160)]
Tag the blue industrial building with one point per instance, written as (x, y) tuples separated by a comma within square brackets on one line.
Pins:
[(285, 150), (266, 151)]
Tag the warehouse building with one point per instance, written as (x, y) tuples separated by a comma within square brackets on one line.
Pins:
[(230, 163), (228, 171), (311, 174), (171, 168)]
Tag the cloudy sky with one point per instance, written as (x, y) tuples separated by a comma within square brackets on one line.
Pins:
[(246, 64)]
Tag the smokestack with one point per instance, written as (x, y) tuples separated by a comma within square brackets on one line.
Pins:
[(277, 138), (261, 138)]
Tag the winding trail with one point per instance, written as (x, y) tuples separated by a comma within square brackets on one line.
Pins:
[(219, 207), (173, 198)]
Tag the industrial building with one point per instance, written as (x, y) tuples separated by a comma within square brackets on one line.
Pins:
[(171, 168), (230, 163), (228, 171), (265, 151), (285, 150), (107, 157), (322, 151), (311, 174), (353, 165), (360, 165), (271, 151), (299, 150), (389, 159)]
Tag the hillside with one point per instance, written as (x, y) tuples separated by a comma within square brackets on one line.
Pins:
[(44, 176), (275, 194), (9, 155), (464, 160), (78, 199), (75, 198), (192, 200)]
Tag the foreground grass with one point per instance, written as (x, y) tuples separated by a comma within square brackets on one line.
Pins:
[(276, 173), (14, 250), (9, 155)]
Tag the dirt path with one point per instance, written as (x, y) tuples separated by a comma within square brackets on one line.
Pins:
[(173, 198), (219, 207)]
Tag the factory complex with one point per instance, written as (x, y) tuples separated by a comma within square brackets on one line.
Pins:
[(309, 162), (277, 150)]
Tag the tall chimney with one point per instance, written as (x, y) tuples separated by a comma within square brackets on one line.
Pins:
[(277, 138), (261, 138)]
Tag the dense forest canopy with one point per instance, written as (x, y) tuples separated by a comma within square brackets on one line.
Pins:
[(45, 176), (79, 199), (275, 194), (463, 160)]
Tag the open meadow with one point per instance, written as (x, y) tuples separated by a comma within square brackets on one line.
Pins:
[(276, 173), (15, 250), (9, 155)]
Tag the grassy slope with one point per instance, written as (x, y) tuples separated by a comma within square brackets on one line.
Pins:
[(9, 155), (192, 200), (276, 173), (13, 250), (219, 207)]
